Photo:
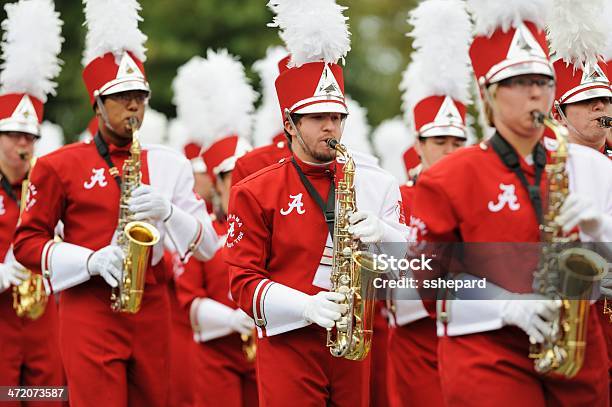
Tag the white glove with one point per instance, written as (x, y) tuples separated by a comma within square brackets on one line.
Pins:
[(366, 226), (11, 274), (606, 284), (242, 323), (579, 210), (532, 313), (107, 263), (323, 310), (148, 204)]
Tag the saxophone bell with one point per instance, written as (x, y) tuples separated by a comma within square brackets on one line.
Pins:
[(605, 122)]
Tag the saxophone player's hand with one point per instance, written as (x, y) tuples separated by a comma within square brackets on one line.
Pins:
[(11, 274), (107, 263), (532, 313), (366, 227), (241, 322), (606, 285), (580, 210), (148, 204), (323, 308)]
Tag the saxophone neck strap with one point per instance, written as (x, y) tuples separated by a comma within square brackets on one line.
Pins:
[(7, 187), (328, 208), (508, 156), (102, 148)]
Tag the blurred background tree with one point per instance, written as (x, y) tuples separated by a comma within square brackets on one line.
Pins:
[(180, 29)]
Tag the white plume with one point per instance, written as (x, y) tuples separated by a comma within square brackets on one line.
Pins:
[(576, 31), (112, 26), (607, 15), (313, 30), (154, 127), (31, 42), (356, 128), (391, 139), (268, 121), (489, 15), (51, 138), (178, 135), (214, 98), (440, 62)]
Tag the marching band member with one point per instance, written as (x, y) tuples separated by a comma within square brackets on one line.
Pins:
[(224, 374), (583, 94), (30, 353), (276, 245), (480, 194), (266, 127), (436, 91), (111, 358)]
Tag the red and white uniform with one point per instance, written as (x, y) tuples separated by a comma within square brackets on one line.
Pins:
[(472, 197), (260, 158), (30, 353), (73, 185), (279, 249), (182, 349), (224, 376), (413, 343)]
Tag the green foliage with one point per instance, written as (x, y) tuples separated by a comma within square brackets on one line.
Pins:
[(180, 29)]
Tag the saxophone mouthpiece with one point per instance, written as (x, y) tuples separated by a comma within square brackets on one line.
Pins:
[(134, 123), (332, 143), (538, 118), (23, 155), (605, 122)]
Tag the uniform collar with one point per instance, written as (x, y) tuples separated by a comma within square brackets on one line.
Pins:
[(315, 169), (113, 149)]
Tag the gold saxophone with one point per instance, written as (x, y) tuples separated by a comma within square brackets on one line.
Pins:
[(352, 273), (563, 274), (135, 238), (29, 297), (249, 346)]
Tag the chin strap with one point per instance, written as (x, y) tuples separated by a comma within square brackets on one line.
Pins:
[(566, 122), (297, 132), (102, 111)]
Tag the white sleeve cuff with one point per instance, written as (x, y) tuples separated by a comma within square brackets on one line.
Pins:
[(212, 319), (472, 316), (393, 235), (407, 311), (191, 235), (67, 265), (280, 308)]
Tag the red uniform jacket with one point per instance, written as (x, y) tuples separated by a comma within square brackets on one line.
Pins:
[(259, 158), (277, 234)]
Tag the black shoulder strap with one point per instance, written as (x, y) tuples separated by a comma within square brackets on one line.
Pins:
[(8, 188), (328, 208), (511, 160), (102, 148)]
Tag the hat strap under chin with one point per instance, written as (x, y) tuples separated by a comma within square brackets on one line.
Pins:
[(565, 121), (103, 113)]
